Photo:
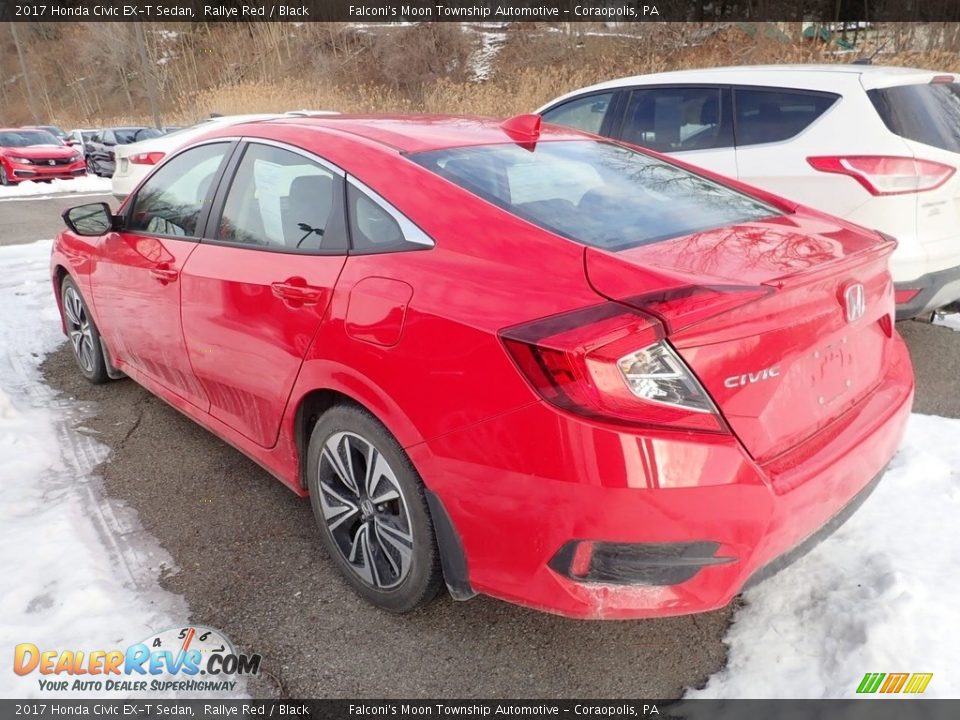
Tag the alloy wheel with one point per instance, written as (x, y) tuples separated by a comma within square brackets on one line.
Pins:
[(365, 511), (3, 176), (79, 329)]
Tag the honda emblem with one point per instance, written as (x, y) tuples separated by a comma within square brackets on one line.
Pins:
[(855, 303)]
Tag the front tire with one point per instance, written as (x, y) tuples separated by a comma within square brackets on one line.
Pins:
[(369, 503), (83, 334), (4, 178)]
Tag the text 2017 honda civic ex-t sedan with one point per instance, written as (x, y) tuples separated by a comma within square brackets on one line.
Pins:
[(522, 361)]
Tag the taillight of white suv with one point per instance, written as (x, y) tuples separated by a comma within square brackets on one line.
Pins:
[(886, 175)]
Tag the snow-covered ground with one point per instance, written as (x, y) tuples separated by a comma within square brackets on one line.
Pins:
[(86, 184), (950, 320), (78, 572), (880, 595)]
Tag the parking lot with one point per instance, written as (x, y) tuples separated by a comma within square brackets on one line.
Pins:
[(250, 562)]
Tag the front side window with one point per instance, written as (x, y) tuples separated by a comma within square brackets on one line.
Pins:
[(676, 119), (282, 200), (584, 113), (170, 201), (596, 193), (928, 114), (773, 115)]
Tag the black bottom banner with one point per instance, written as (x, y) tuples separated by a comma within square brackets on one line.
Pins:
[(113, 709)]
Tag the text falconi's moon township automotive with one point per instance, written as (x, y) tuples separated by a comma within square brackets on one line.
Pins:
[(475, 12)]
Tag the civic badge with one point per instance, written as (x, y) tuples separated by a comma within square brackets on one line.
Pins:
[(854, 302)]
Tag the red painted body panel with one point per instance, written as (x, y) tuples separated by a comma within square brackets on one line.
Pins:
[(413, 337)]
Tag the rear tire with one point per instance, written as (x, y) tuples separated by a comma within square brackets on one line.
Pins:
[(369, 503), (83, 334)]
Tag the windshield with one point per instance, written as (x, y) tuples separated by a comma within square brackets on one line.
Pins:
[(132, 135), (26, 138), (596, 193), (53, 130)]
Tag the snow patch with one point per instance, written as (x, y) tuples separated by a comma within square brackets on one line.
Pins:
[(79, 573), (950, 320), (82, 184), (879, 595)]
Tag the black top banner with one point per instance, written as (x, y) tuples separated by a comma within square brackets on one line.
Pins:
[(367, 11)]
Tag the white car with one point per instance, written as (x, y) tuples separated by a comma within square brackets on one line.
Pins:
[(80, 136), (878, 146), (135, 160)]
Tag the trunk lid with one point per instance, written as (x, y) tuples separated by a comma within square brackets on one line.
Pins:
[(759, 312)]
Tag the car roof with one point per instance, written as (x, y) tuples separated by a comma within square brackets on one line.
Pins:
[(418, 133), (799, 75)]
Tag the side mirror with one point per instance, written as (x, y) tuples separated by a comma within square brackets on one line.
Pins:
[(91, 220), (69, 142)]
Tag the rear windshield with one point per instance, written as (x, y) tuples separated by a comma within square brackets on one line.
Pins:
[(132, 135), (596, 193), (27, 138), (928, 113)]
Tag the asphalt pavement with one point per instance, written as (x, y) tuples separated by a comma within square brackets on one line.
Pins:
[(26, 220), (250, 563)]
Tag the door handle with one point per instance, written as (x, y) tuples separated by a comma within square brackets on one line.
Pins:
[(164, 274), (297, 291)]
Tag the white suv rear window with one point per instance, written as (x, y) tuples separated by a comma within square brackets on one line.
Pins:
[(928, 113)]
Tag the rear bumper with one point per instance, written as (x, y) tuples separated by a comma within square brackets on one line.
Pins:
[(936, 289), (519, 488)]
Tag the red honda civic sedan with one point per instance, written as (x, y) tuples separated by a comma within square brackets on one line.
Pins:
[(35, 154), (512, 359)]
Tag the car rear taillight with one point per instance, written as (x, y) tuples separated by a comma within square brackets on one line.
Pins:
[(147, 158), (886, 175), (611, 363), (905, 295)]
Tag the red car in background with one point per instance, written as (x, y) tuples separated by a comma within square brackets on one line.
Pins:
[(522, 361), (34, 154)]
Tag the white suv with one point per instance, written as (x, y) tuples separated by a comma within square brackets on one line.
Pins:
[(878, 146)]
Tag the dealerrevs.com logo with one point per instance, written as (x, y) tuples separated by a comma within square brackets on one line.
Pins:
[(188, 659)]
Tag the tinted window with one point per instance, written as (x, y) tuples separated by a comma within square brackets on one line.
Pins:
[(282, 200), (929, 114), (676, 119), (170, 201), (584, 113), (377, 227), (125, 136), (596, 193), (26, 138), (772, 115)]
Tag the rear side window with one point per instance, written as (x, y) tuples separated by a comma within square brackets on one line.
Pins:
[(596, 193), (584, 113), (282, 200), (929, 114), (675, 119), (376, 226), (764, 116)]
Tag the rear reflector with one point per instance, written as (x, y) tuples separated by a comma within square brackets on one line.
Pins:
[(148, 158), (886, 175), (906, 295), (618, 563)]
